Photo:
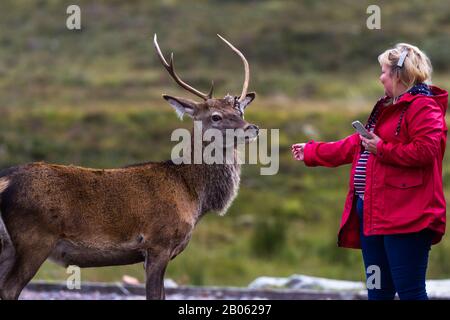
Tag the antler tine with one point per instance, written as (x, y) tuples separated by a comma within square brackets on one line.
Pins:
[(210, 93), (171, 70), (246, 68)]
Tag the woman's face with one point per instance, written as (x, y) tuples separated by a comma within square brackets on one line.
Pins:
[(387, 80)]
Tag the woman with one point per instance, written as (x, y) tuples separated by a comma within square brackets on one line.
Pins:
[(395, 207)]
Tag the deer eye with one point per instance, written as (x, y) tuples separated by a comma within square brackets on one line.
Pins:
[(216, 117)]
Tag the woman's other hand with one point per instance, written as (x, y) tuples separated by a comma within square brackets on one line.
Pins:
[(298, 151), (370, 144)]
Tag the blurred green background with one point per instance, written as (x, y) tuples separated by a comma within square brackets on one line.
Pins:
[(93, 98)]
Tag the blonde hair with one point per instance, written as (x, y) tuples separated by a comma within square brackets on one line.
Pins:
[(416, 66)]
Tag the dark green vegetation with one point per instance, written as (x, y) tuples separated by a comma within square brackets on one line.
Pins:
[(93, 98)]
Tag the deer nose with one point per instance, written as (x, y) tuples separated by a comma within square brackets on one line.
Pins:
[(252, 127)]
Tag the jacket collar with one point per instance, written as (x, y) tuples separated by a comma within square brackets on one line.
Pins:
[(438, 94)]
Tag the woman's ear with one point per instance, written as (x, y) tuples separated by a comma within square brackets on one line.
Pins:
[(396, 74)]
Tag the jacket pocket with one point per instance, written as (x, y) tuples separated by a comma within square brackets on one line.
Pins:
[(403, 178)]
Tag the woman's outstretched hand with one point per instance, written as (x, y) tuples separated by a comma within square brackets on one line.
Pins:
[(298, 151)]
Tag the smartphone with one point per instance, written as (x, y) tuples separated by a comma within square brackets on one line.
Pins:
[(359, 127)]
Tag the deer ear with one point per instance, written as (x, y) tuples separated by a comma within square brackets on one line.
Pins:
[(248, 99), (182, 106)]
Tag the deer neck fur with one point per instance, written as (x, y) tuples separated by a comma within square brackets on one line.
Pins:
[(215, 185), (220, 187)]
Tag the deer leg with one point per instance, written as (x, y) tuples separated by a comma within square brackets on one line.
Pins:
[(7, 258), (29, 257), (7, 253), (163, 289), (155, 267)]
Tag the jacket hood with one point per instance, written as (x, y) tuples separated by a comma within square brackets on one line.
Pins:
[(440, 96)]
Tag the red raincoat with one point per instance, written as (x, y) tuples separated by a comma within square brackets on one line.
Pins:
[(404, 191)]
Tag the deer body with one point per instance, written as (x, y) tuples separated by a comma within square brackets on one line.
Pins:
[(118, 210), (102, 217), (179, 220)]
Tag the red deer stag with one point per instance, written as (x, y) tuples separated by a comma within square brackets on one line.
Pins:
[(104, 217)]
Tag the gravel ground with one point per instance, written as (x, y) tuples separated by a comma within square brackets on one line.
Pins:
[(65, 295), (97, 291), (41, 290)]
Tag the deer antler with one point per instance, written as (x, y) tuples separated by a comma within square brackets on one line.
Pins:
[(246, 68), (170, 68)]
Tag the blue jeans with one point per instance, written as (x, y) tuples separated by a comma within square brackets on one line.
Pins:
[(402, 260)]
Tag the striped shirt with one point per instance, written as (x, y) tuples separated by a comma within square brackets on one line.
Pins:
[(360, 172)]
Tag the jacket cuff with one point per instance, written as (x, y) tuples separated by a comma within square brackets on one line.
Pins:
[(308, 153)]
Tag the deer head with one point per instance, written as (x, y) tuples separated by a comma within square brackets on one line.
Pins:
[(221, 114)]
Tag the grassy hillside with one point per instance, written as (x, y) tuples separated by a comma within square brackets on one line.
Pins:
[(295, 48), (93, 98)]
